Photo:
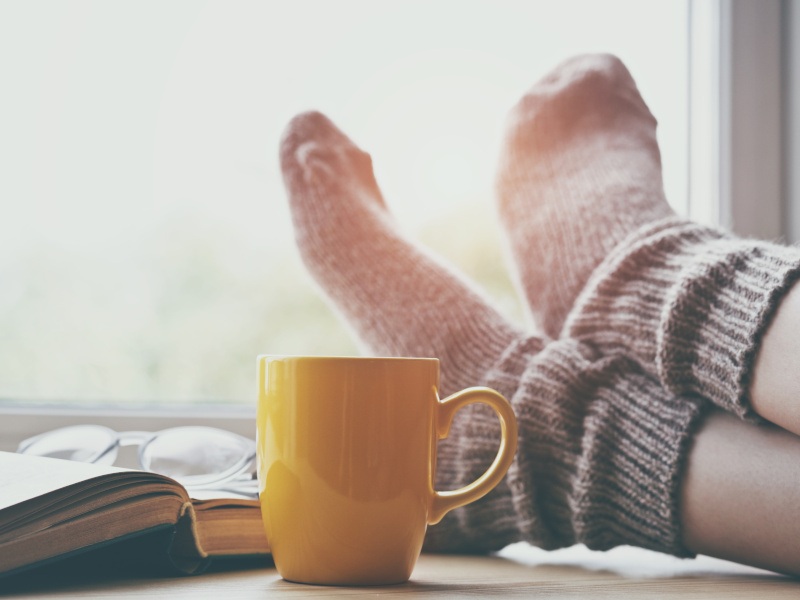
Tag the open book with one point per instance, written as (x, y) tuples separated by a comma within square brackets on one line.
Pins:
[(51, 509)]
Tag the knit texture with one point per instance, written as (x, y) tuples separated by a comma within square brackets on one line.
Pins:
[(601, 445), (602, 450), (579, 171), (691, 304), (399, 299)]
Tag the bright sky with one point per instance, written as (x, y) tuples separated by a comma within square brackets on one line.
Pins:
[(118, 114), (138, 158)]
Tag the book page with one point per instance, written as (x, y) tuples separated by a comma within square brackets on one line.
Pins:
[(221, 497), (23, 477)]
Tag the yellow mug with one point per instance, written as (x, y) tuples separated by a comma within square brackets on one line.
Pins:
[(347, 461)]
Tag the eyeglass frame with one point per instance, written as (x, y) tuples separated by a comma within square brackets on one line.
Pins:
[(144, 438)]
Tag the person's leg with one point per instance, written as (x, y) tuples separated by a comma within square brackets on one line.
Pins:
[(580, 169), (579, 179), (579, 173), (741, 494), (775, 390)]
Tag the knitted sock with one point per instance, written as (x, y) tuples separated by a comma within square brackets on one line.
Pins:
[(580, 195), (400, 300), (601, 445), (579, 171), (602, 449), (691, 304)]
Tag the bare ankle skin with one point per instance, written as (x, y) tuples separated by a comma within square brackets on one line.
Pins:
[(741, 494), (775, 390)]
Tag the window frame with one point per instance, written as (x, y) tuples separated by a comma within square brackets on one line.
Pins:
[(790, 19), (738, 107)]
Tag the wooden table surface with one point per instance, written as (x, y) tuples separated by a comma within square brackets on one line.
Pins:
[(518, 571)]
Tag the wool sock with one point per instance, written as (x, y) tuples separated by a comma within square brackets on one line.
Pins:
[(601, 448), (400, 300), (580, 195), (579, 171)]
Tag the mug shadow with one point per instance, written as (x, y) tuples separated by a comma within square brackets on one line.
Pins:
[(573, 572), (409, 587)]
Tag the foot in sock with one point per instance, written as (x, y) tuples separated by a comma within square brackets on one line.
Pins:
[(355, 251), (580, 170)]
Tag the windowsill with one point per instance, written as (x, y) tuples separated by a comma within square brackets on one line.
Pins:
[(519, 571), (20, 421)]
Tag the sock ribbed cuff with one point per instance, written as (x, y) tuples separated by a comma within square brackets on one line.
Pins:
[(716, 318), (602, 452), (691, 304), (635, 451)]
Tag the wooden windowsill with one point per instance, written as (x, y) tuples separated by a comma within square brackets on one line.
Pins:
[(518, 571)]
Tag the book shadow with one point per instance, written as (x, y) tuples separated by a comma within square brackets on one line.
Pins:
[(137, 558)]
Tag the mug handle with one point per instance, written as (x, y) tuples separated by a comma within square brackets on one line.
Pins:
[(443, 502)]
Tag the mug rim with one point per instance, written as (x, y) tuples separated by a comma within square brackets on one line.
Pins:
[(347, 358)]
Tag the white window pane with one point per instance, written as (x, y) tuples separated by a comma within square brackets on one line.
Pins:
[(146, 248)]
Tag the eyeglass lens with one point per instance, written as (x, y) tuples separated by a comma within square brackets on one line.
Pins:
[(195, 454), (192, 455), (84, 443)]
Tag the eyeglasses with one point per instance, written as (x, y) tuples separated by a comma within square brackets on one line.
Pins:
[(197, 457)]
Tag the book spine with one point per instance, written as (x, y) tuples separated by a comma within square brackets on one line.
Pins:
[(184, 550)]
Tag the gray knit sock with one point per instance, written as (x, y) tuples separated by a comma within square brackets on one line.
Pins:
[(579, 171), (690, 303), (601, 445), (602, 452)]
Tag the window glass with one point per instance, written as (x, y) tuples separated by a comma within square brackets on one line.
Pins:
[(146, 250)]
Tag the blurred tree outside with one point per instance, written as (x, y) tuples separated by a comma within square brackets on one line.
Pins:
[(184, 318)]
